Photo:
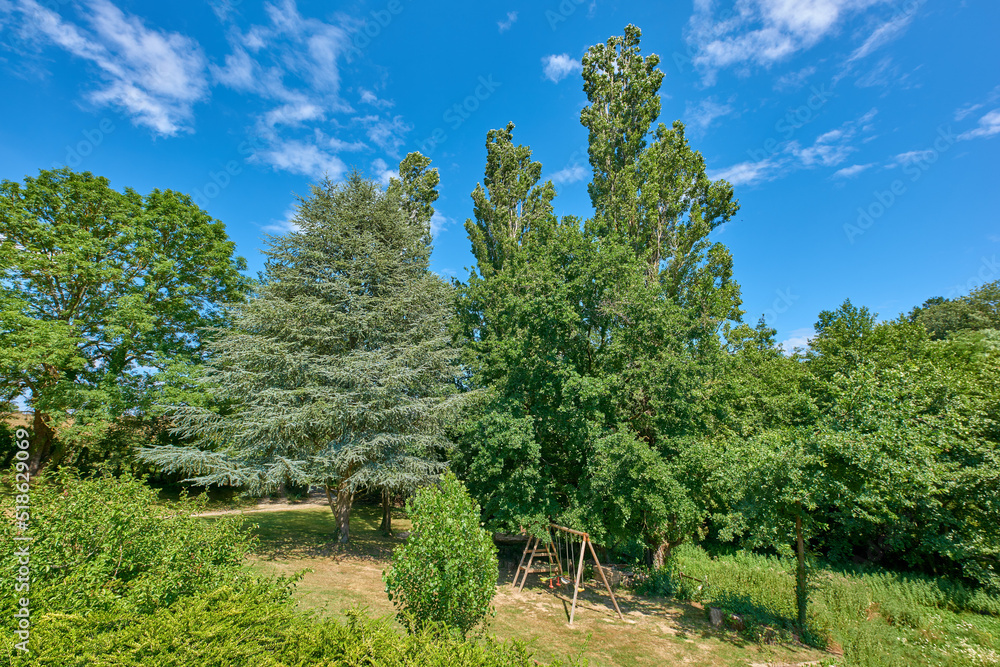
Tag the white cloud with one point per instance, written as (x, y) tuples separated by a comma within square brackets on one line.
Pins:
[(387, 133), (911, 157), (700, 116), (290, 62), (797, 338), (558, 67), (885, 33), (155, 76), (794, 79), (382, 171), (852, 171), (748, 173), (969, 109), (304, 158), (369, 97), (989, 125), (828, 150), (821, 153), (285, 224), (763, 32), (504, 26), (340, 146), (571, 174), (438, 224)]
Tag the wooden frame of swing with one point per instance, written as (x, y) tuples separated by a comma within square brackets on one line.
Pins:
[(532, 548)]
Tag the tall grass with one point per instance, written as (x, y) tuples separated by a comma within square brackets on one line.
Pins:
[(877, 619)]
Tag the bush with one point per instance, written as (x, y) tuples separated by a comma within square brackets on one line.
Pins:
[(880, 619), (447, 571), (256, 626), (105, 542)]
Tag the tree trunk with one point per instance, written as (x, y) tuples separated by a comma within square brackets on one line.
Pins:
[(801, 594), (660, 555), (386, 527), (341, 510), (42, 439), (662, 552)]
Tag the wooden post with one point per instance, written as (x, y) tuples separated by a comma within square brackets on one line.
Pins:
[(527, 548), (579, 574), (600, 569)]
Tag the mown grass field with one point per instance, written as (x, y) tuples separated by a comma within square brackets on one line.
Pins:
[(873, 619), (656, 631)]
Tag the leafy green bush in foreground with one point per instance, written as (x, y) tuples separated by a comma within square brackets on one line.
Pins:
[(121, 580), (447, 571), (255, 627), (106, 543)]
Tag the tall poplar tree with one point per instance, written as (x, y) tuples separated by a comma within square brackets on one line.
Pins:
[(339, 372), (649, 187), (598, 340)]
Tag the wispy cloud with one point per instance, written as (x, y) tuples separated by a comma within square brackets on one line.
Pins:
[(967, 110), (886, 32), (798, 338), (558, 67), (853, 170), (291, 63), (439, 223), (369, 97), (701, 115), (156, 77), (829, 149), (304, 158), (286, 223), (750, 172), (759, 33), (504, 26), (382, 171), (794, 79), (571, 174), (387, 133), (910, 157), (989, 125)]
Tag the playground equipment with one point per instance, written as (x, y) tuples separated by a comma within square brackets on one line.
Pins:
[(573, 542)]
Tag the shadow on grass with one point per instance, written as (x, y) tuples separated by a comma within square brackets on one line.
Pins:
[(689, 619), (311, 532)]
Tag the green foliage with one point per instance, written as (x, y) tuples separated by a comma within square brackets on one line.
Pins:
[(978, 310), (633, 486), (101, 289), (446, 572), (880, 619), (249, 626), (106, 543), (340, 371)]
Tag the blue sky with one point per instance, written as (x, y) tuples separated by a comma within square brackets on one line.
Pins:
[(862, 136)]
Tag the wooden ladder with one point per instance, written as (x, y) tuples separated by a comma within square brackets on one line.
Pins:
[(532, 551)]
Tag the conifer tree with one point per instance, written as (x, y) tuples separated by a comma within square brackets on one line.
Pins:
[(340, 371)]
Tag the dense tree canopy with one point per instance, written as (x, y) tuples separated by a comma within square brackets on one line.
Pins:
[(625, 396), (598, 339), (338, 371), (101, 289)]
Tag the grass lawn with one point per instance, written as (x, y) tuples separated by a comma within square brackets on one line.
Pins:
[(655, 632)]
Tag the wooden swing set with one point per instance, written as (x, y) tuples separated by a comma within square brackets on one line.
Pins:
[(550, 551)]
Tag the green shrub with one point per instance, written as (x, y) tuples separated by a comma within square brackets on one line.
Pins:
[(253, 627), (446, 572), (105, 542), (880, 619)]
